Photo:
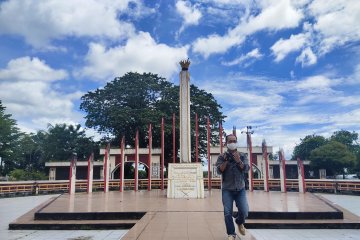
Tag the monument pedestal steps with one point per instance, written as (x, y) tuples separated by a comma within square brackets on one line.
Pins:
[(151, 215)]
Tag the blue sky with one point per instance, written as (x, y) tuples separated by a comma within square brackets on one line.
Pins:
[(288, 68)]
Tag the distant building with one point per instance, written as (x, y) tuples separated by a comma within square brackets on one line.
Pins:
[(259, 163), (60, 170)]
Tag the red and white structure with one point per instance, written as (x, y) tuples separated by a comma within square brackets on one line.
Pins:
[(136, 173), (106, 168), (72, 174), (162, 159), (174, 137), (301, 176), (208, 153), (149, 157), (90, 174), (221, 138), (122, 164), (265, 166), (196, 138), (282, 171)]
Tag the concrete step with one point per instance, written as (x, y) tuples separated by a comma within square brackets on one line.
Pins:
[(72, 225), (302, 224), (88, 215)]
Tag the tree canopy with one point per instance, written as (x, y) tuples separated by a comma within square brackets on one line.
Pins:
[(134, 100), (24, 155), (308, 144), (62, 140), (341, 150), (9, 141), (333, 156)]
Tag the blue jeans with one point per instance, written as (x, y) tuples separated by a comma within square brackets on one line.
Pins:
[(228, 198)]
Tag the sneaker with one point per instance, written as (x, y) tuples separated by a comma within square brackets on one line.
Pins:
[(231, 237), (241, 229)]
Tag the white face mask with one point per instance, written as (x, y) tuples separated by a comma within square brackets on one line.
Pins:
[(231, 146)]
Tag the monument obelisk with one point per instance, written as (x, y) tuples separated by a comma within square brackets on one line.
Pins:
[(185, 180), (185, 144)]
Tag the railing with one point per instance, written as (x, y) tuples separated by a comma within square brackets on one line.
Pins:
[(36, 187)]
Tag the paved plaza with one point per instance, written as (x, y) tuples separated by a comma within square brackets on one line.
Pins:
[(12, 208)]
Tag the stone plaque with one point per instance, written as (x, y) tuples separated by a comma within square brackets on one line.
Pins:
[(185, 180)]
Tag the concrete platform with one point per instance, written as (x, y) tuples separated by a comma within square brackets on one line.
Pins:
[(153, 216)]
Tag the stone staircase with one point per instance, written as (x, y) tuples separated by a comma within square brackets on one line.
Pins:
[(37, 220)]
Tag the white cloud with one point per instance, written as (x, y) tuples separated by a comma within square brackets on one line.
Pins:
[(307, 57), (245, 102), (245, 90), (336, 22), (346, 120), (331, 23), (329, 98), (249, 57), (318, 83), (283, 47), (321, 89), (215, 44), (39, 22), (258, 101), (274, 15), (27, 93), (228, 2), (190, 14), (140, 53), (30, 69), (355, 77)]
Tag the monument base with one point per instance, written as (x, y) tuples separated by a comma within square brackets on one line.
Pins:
[(185, 180)]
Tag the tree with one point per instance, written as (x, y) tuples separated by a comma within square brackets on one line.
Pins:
[(62, 140), (333, 156), (347, 138), (28, 153), (274, 156), (9, 135), (308, 144), (134, 100), (357, 164), (23, 175)]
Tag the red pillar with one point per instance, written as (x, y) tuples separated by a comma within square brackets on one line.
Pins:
[(251, 161), (149, 157), (266, 177), (136, 160), (122, 162), (70, 174), (302, 172), (173, 130), (162, 154), (283, 169), (196, 138), (220, 136), (89, 173), (106, 159), (208, 153)]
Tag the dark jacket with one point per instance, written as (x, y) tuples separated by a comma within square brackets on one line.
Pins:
[(233, 177)]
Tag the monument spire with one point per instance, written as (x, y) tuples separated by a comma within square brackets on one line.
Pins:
[(185, 144), (185, 180)]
